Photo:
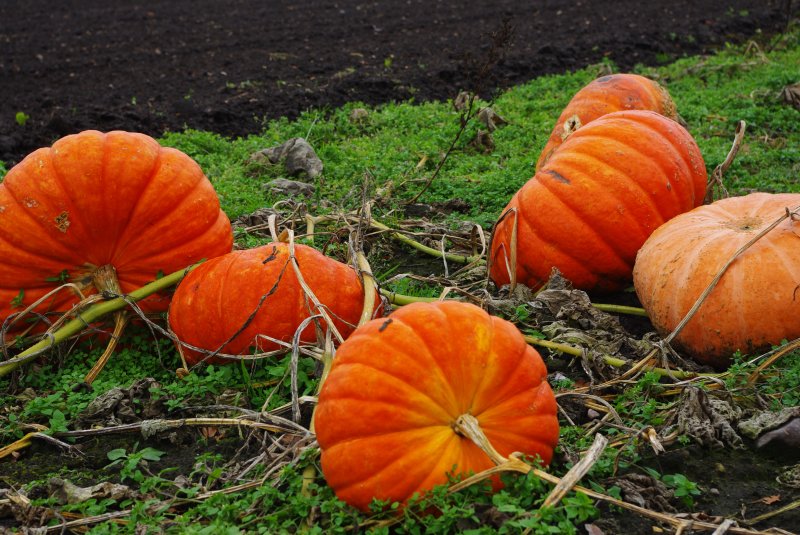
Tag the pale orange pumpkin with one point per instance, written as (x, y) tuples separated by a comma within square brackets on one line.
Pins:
[(756, 302)]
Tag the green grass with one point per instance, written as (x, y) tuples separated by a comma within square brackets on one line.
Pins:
[(712, 94)]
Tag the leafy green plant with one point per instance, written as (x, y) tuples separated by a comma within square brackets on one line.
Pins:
[(131, 462), (684, 489), (21, 118)]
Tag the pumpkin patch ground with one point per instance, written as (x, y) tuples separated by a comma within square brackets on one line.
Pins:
[(277, 394), (149, 68)]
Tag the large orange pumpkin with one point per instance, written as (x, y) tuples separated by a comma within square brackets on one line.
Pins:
[(756, 302), (386, 413), (95, 200), (596, 201), (213, 305), (607, 94)]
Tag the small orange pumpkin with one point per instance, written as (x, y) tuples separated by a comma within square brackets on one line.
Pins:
[(607, 94), (213, 305), (386, 413), (96, 201), (756, 302), (597, 200)]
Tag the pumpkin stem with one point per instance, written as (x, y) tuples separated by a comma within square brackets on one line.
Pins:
[(105, 280), (368, 283), (120, 321), (715, 180), (468, 426)]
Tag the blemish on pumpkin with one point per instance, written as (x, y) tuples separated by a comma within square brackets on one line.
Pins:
[(385, 324), (31, 203), (2, 208), (558, 176), (272, 256), (570, 126), (745, 224), (62, 221)]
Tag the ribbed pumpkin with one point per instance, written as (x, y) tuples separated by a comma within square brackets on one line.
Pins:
[(607, 94), (95, 200), (597, 200), (756, 302), (397, 386), (215, 300)]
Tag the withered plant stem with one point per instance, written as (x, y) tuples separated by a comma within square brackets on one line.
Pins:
[(311, 222), (621, 309), (614, 361)]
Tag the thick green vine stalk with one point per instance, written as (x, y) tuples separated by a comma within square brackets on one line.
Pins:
[(90, 315)]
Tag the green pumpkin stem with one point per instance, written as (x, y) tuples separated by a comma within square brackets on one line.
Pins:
[(90, 315)]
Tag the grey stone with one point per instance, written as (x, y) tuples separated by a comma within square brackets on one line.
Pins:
[(298, 157), (283, 186)]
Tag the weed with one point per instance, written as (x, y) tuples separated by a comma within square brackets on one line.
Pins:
[(21, 118), (132, 462)]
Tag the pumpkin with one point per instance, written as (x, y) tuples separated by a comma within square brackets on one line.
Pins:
[(607, 94), (96, 207), (590, 208), (386, 413), (213, 305), (756, 302)]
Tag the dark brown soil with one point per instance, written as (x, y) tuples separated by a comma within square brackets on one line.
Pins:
[(225, 66)]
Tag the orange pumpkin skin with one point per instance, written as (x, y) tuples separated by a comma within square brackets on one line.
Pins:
[(755, 304), (95, 199), (592, 206), (397, 385), (607, 94), (216, 299)]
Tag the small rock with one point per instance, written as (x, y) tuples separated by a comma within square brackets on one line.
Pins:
[(490, 119), (283, 186), (258, 218), (785, 438), (298, 157), (358, 116)]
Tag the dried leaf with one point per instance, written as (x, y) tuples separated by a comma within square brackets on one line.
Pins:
[(67, 493), (790, 477), (791, 95), (461, 102), (591, 529), (483, 142), (644, 491), (708, 420), (289, 188), (491, 120), (124, 405)]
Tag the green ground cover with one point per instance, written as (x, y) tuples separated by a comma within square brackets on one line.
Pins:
[(181, 488)]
